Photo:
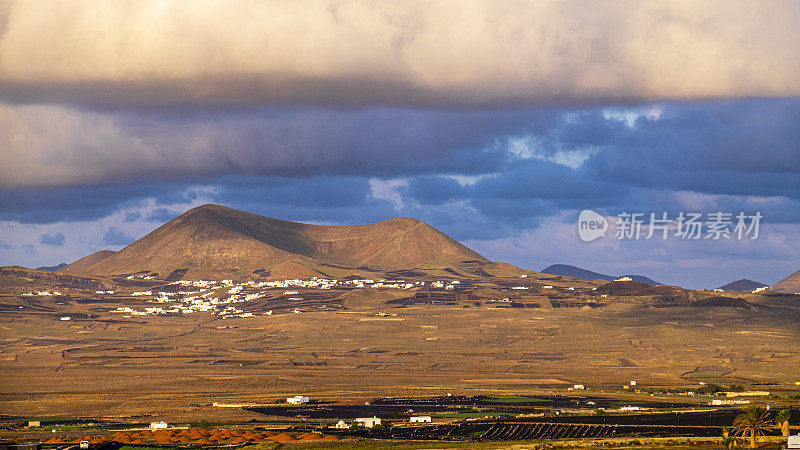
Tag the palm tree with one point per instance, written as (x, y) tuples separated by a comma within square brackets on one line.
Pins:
[(782, 420), (752, 421)]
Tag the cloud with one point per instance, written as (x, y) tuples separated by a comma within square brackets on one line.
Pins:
[(680, 146), (133, 216), (48, 205), (338, 53), (116, 237), (56, 146), (162, 215), (88, 234), (511, 165), (55, 240), (389, 190), (733, 148)]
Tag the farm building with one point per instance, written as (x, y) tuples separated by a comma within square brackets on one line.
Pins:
[(369, 422), (297, 400)]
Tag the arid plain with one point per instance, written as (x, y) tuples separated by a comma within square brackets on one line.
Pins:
[(177, 367)]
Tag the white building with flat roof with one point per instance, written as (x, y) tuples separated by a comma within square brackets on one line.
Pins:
[(297, 400), (369, 422), (419, 419)]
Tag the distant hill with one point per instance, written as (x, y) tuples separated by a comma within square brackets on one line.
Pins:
[(214, 240), (724, 302), (571, 271), (788, 285), (52, 268), (84, 263), (742, 285), (668, 294), (49, 276)]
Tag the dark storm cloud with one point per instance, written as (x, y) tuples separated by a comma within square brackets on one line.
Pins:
[(55, 240), (555, 159), (727, 148), (736, 148), (90, 148), (313, 192), (49, 205), (435, 190), (545, 180)]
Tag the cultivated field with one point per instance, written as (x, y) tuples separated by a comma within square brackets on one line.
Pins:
[(175, 367)]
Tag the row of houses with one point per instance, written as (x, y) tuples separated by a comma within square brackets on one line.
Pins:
[(221, 298), (372, 422)]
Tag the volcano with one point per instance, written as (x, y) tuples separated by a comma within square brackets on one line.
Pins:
[(214, 240)]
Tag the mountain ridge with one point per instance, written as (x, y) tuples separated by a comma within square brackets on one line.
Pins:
[(86, 262), (743, 284), (788, 285), (52, 268), (572, 271), (217, 239)]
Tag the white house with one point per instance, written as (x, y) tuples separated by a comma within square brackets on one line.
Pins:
[(157, 425), (419, 419), (369, 422), (342, 425), (578, 386), (297, 400)]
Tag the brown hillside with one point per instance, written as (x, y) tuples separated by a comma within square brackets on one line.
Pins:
[(673, 294), (291, 269), (788, 285), (501, 269), (46, 276), (213, 240), (86, 262)]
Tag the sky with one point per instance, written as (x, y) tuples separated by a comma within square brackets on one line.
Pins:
[(495, 122)]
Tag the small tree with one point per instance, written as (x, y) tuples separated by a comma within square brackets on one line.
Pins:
[(727, 439), (782, 421), (753, 421), (707, 389)]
